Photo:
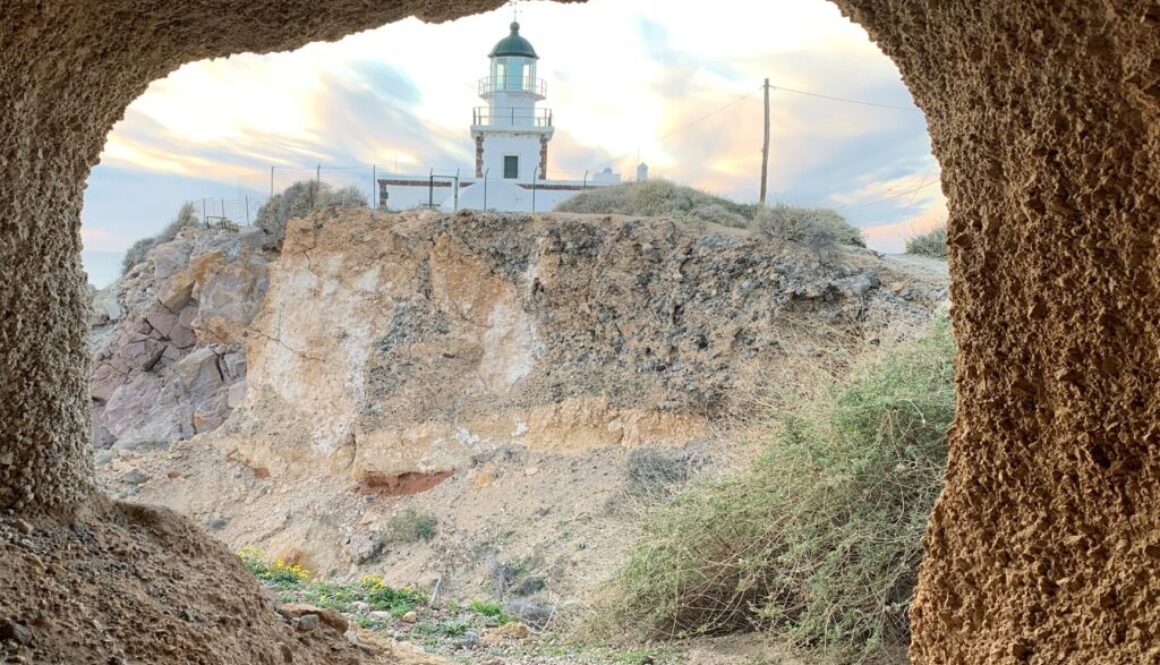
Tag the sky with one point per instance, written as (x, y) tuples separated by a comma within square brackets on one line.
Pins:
[(668, 83)]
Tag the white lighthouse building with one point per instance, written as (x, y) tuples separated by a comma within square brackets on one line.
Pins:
[(511, 136)]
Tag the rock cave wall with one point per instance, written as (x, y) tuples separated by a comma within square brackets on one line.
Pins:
[(1044, 117), (1046, 120)]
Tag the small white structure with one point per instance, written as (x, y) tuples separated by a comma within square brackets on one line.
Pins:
[(511, 136)]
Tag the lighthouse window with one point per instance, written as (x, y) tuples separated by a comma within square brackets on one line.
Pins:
[(515, 72), (511, 166)]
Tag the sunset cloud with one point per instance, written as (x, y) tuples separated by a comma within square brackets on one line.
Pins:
[(670, 82)]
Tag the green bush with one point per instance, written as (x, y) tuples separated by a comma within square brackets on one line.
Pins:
[(490, 610), (819, 540), (410, 526), (932, 243), (659, 198), (186, 216), (811, 226), (299, 200)]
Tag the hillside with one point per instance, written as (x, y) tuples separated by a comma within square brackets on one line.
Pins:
[(528, 384)]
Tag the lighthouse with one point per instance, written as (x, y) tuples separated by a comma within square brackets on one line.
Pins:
[(511, 133)]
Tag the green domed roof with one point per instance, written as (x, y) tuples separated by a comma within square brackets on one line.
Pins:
[(513, 44)]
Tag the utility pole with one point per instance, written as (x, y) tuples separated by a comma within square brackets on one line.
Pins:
[(765, 149)]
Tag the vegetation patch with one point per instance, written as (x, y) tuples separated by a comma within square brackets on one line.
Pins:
[(299, 200), (410, 525), (660, 198), (933, 243), (818, 541), (186, 217), (297, 586), (489, 609), (656, 471), (811, 226)]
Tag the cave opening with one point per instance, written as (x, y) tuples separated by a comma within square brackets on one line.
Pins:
[(1045, 124)]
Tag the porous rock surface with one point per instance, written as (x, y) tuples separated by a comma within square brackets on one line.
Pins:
[(128, 583), (1045, 119)]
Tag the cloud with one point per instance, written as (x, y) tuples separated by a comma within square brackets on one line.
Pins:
[(626, 77)]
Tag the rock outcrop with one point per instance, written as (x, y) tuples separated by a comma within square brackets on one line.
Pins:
[(168, 339), (398, 347)]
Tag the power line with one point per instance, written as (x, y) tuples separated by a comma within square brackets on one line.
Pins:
[(709, 114), (933, 181), (846, 99), (698, 121)]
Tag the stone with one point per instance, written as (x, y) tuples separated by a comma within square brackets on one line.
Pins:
[(514, 631), (16, 632), (308, 622), (112, 309), (134, 477), (236, 395), (329, 618), (364, 547)]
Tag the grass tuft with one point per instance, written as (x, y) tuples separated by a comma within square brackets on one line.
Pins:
[(818, 541), (660, 198), (410, 526), (933, 243), (489, 609), (810, 226)]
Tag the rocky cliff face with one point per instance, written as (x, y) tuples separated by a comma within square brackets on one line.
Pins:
[(389, 346), (168, 339)]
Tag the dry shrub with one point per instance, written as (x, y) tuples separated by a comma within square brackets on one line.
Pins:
[(410, 525), (186, 217), (659, 198), (299, 200), (933, 243), (818, 541), (810, 226)]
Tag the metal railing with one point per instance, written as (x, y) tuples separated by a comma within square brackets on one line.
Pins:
[(482, 116), (493, 84)]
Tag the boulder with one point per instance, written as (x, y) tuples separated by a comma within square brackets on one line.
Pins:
[(329, 618)]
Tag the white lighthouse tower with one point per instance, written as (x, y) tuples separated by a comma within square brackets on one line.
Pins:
[(511, 138), (511, 134)]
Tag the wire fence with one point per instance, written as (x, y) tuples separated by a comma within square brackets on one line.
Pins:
[(257, 189)]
